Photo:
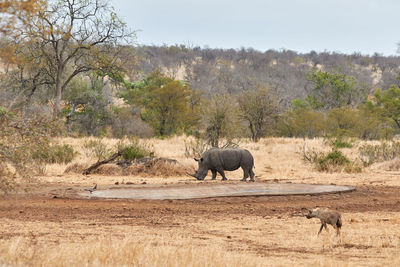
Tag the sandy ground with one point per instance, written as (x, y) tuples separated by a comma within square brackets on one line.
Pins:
[(264, 231)]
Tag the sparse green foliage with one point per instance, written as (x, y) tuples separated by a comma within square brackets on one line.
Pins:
[(165, 103), (341, 142), (334, 89), (361, 122), (54, 154), (371, 124), (343, 121), (87, 111), (387, 103), (301, 122), (21, 140), (133, 149)]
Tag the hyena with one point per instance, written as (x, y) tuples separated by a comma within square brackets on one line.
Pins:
[(326, 216)]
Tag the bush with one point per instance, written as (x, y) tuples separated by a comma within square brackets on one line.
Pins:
[(339, 142), (54, 154), (301, 122), (342, 121), (132, 149), (361, 123), (97, 148), (370, 154), (22, 140), (332, 160)]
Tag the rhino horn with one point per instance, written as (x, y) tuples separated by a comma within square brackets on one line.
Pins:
[(194, 175)]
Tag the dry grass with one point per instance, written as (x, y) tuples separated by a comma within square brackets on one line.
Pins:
[(125, 252), (276, 159), (392, 165), (368, 239)]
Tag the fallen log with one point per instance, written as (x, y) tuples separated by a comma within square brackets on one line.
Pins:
[(99, 163)]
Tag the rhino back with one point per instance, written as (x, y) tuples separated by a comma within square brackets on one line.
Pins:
[(228, 159)]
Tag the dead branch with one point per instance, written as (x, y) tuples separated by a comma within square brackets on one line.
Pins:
[(99, 163)]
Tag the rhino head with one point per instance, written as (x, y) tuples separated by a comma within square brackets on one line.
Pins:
[(201, 173)]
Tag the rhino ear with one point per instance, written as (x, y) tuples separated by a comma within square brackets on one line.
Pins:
[(196, 159)]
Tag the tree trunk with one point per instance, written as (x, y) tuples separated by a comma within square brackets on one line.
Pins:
[(253, 134), (58, 94), (69, 116)]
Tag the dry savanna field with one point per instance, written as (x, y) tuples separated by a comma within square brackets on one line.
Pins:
[(46, 223)]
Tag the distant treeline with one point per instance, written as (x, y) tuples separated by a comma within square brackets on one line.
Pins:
[(213, 94), (233, 71)]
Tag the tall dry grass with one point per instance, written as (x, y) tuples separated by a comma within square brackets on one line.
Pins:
[(126, 252), (368, 239)]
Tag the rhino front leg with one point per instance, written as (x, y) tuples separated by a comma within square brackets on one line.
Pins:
[(214, 174), (221, 171)]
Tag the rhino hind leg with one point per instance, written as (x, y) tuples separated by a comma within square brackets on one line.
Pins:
[(251, 174), (245, 174)]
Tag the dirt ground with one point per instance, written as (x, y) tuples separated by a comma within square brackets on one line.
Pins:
[(51, 214)]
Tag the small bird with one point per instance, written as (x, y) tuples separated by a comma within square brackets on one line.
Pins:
[(93, 189)]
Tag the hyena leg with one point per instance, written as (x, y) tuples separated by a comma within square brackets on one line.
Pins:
[(337, 230), (326, 227), (320, 229), (221, 171), (214, 174)]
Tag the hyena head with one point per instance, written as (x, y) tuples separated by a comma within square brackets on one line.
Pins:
[(311, 213)]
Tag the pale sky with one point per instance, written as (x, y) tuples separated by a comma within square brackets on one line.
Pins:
[(345, 26)]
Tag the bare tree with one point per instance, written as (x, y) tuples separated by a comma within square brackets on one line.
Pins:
[(74, 37), (219, 119), (257, 108)]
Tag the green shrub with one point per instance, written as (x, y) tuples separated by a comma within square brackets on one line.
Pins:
[(342, 121), (301, 122), (339, 142), (133, 152), (332, 160), (132, 149)]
